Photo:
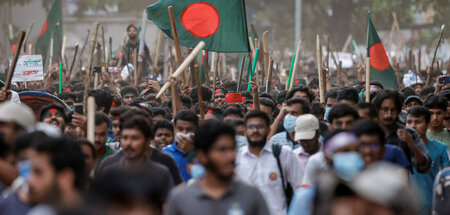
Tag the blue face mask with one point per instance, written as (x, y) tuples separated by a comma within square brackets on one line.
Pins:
[(289, 123), (327, 112), (347, 164)]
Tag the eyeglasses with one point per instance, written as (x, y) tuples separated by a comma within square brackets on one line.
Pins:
[(259, 127)]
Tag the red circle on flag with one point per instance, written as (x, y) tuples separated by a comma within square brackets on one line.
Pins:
[(378, 57), (201, 19)]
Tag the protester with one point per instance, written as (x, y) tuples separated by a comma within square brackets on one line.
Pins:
[(257, 163), (55, 115), (218, 191), (438, 108), (164, 133), (100, 136), (307, 135), (342, 116)]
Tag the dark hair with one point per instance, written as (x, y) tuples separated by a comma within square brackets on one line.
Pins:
[(408, 91), (305, 105), (236, 122), (434, 101), (267, 95), (50, 106), (28, 140), (267, 102), (388, 94), (341, 110), (333, 93), (67, 95), (161, 111), (131, 113), (207, 134), (206, 94), (372, 109), (426, 91), (163, 124), (281, 97), (331, 134), (366, 127), (348, 93), (117, 111), (129, 89), (232, 111), (186, 115), (257, 114), (131, 26), (317, 109), (101, 118), (314, 83), (85, 142), (64, 153), (123, 83), (301, 89), (419, 111), (140, 123), (102, 99)]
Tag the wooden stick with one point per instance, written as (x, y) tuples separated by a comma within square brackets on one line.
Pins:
[(213, 69), (74, 59), (347, 43), (183, 66), (122, 47), (90, 119), (87, 82), (80, 57), (158, 45), (136, 78), (240, 74), (368, 80), (177, 43), (269, 76), (103, 45), (437, 46), (27, 35), (319, 71), (51, 53), (63, 49), (297, 57), (11, 31), (14, 61), (30, 48), (109, 51), (339, 74), (266, 53), (199, 92)]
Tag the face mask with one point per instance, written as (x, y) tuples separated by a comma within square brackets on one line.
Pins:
[(347, 164), (179, 135), (24, 168), (197, 171), (289, 123), (327, 112)]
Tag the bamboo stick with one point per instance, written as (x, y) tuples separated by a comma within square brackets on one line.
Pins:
[(87, 82), (177, 43), (319, 71), (199, 92), (10, 73), (297, 57)]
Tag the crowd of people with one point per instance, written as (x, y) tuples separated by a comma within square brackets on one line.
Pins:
[(277, 152)]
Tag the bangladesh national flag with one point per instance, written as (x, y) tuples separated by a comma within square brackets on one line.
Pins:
[(49, 29), (380, 68), (221, 24)]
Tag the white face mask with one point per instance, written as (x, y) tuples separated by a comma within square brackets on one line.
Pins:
[(178, 135), (289, 123)]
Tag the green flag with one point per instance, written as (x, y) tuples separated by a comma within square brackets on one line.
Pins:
[(221, 24), (380, 67), (43, 43)]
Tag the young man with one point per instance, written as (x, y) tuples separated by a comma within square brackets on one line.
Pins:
[(114, 117), (437, 105), (413, 101), (372, 147), (128, 94), (103, 100), (186, 123), (389, 105), (164, 134), (100, 136), (348, 95), (57, 176), (89, 156), (342, 116), (55, 115), (256, 163), (307, 134), (231, 114), (219, 98), (267, 106), (295, 107), (303, 93), (419, 119), (218, 191), (135, 140)]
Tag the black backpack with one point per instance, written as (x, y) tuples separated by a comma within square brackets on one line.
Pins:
[(287, 188)]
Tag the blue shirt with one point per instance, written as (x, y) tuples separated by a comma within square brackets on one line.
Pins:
[(302, 201), (394, 154), (425, 182), (181, 159)]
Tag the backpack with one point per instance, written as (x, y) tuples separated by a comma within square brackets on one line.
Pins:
[(287, 188)]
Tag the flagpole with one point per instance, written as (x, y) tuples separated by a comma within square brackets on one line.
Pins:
[(177, 44), (288, 82), (294, 70), (87, 82), (255, 59), (10, 73), (27, 35), (158, 45), (199, 92), (368, 80), (266, 52), (269, 76), (240, 74)]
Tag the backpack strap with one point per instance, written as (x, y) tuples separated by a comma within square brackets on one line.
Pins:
[(276, 150)]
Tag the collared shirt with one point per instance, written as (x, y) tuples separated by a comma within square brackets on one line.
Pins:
[(425, 181), (283, 139), (239, 199), (316, 163), (263, 172), (181, 159), (303, 157)]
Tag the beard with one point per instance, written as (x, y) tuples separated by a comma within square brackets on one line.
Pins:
[(259, 143), (214, 169)]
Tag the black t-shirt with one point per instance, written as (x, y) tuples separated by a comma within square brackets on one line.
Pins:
[(157, 156)]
